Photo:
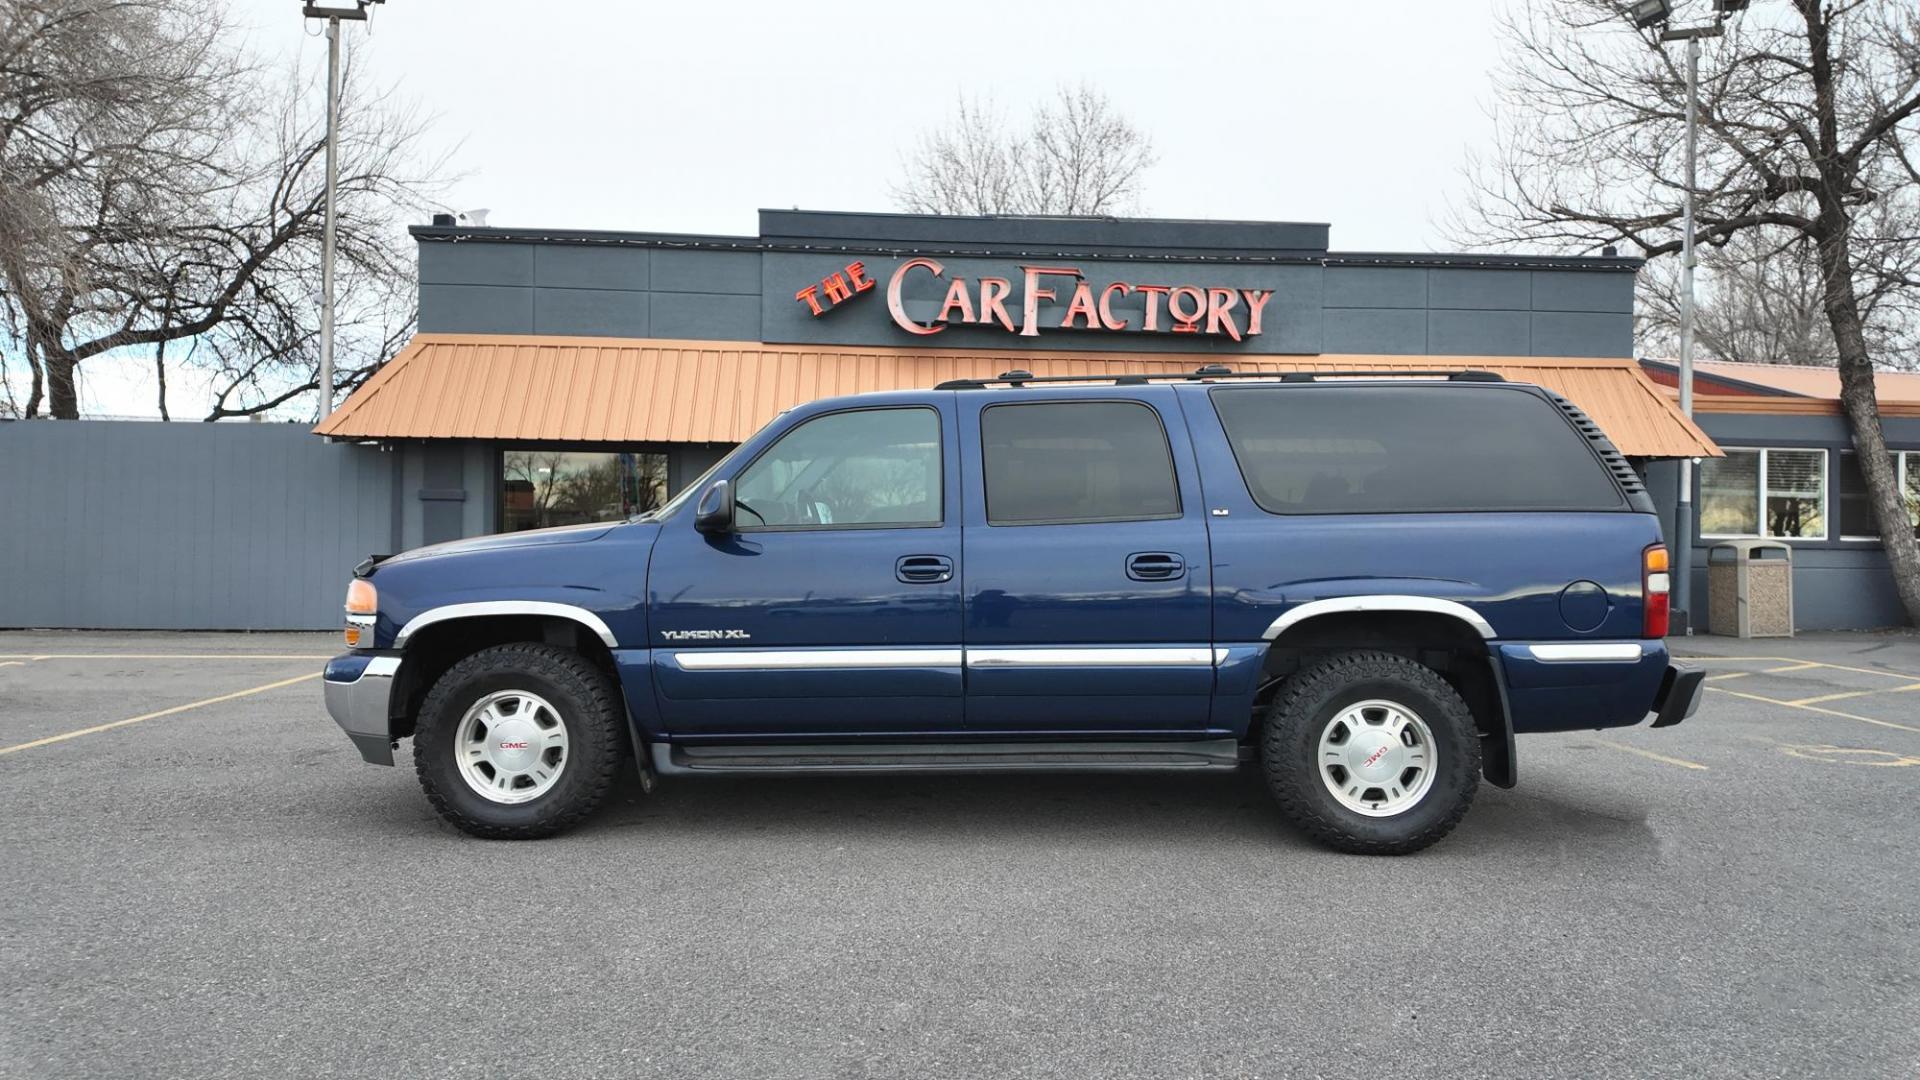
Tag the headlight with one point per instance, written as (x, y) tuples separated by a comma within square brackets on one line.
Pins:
[(363, 603)]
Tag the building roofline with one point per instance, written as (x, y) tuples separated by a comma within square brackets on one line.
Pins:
[(1759, 389), (715, 242)]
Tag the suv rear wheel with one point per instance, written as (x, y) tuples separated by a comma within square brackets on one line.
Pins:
[(1371, 753), (518, 741)]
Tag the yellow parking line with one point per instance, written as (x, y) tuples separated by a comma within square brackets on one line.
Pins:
[(1725, 675), (156, 715), (1662, 758), (1802, 666), (13, 663), (1830, 697), (17, 657), (1817, 709)]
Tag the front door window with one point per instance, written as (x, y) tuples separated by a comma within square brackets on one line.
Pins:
[(873, 468)]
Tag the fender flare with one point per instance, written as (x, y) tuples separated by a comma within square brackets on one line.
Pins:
[(1431, 605), (482, 608)]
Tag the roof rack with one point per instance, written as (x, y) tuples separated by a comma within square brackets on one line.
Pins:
[(1020, 377)]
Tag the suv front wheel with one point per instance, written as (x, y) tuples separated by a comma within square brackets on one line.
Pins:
[(518, 741), (1371, 753)]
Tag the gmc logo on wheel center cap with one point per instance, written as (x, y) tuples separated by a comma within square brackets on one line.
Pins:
[(513, 746)]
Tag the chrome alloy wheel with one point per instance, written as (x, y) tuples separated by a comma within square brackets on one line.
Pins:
[(1377, 758), (511, 746)]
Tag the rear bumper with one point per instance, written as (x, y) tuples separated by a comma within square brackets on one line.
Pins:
[(1679, 696), (359, 693), (1582, 686)]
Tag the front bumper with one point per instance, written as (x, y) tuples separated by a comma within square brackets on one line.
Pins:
[(1679, 697), (359, 692)]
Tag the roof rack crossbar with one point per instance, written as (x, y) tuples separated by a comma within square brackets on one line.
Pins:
[(1216, 371)]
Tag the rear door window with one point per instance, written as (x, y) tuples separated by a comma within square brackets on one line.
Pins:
[(1052, 463), (1388, 449)]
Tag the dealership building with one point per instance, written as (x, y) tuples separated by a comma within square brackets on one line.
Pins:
[(563, 376)]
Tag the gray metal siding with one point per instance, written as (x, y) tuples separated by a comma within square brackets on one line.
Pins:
[(1479, 333), (591, 313), (1480, 289), (1363, 330), (477, 263), (570, 266), (705, 316), (475, 309), (610, 290), (184, 526), (1581, 333)]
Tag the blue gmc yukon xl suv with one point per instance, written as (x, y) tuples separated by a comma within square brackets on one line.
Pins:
[(1362, 586)]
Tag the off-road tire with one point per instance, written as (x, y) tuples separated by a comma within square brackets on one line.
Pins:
[(1310, 699), (588, 704)]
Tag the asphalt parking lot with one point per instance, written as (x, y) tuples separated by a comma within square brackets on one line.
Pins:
[(202, 880)]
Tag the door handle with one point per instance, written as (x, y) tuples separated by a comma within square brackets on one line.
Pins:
[(923, 569), (1155, 566)]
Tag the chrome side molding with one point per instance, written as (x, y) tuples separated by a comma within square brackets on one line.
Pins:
[(1586, 652)]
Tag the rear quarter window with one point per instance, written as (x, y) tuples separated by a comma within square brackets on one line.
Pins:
[(1321, 449)]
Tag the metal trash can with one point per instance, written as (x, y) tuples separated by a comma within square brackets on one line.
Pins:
[(1750, 589)]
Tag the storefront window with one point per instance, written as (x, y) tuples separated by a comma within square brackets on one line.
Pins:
[(1794, 483), (1796, 493), (1730, 494), (1856, 509), (543, 488), (1910, 484)]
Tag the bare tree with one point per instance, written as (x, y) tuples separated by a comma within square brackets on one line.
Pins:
[(1077, 155), (1760, 301), (153, 192), (1808, 132)]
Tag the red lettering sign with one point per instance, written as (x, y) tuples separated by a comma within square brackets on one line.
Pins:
[(839, 287), (1191, 309)]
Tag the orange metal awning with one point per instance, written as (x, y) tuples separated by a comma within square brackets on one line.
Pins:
[(553, 389)]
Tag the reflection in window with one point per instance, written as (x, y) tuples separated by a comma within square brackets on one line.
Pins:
[(868, 467), (544, 488), (1910, 484), (1796, 493), (1730, 494), (1856, 506), (1795, 487), (1068, 461)]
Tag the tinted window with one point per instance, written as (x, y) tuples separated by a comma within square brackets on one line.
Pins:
[(874, 467), (1067, 461), (1856, 506), (1378, 449)]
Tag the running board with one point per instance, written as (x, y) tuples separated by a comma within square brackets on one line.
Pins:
[(674, 760)]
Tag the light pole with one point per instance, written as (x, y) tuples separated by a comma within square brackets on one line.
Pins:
[(1646, 14), (332, 15)]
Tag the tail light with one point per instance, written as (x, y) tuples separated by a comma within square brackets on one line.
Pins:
[(1656, 587)]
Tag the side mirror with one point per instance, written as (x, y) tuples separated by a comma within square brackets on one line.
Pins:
[(713, 514)]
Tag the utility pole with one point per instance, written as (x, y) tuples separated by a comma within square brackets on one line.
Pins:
[(1644, 15), (1683, 514), (333, 16)]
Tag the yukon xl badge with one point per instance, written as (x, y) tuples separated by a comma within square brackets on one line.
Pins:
[(706, 635)]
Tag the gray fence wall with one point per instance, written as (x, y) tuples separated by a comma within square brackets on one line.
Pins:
[(186, 526)]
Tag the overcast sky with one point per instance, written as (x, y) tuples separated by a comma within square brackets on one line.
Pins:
[(616, 114)]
